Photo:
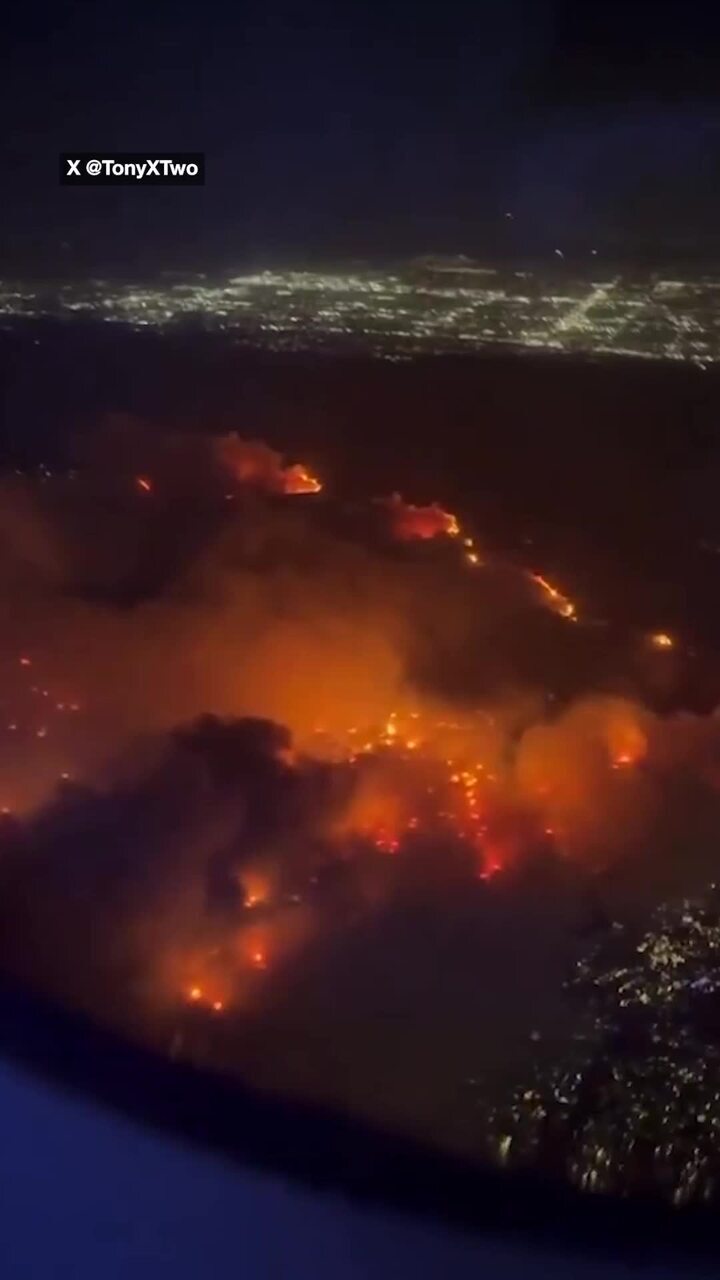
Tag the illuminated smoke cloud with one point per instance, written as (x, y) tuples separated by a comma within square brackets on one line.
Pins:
[(414, 739), (253, 463), (409, 522), (140, 886)]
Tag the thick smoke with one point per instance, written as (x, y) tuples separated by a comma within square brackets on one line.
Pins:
[(242, 721)]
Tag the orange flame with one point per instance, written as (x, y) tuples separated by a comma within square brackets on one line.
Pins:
[(297, 479), (253, 463), (410, 522), (560, 603)]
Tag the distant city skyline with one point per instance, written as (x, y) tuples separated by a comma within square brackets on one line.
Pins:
[(428, 306)]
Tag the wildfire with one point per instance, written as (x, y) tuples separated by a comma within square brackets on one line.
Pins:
[(386, 842), (410, 782), (419, 778), (410, 522), (626, 739), (255, 464), (198, 996), (297, 479), (391, 728), (623, 760), (490, 869), (256, 884), (560, 603)]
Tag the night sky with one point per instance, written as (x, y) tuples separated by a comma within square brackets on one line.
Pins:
[(364, 130)]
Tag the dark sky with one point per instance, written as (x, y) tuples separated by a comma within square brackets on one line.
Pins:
[(370, 129)]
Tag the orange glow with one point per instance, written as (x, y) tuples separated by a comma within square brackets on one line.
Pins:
[(558, 602), (386, 842), (410, 522), (199, 996), (491, 868), (468, 791), (376, 811), (622, 760), (257, 885), (297, 479), (626, 739), (384, 808), (255, 464)]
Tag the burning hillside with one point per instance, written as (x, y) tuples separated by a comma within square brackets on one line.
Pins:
[(217, 777)]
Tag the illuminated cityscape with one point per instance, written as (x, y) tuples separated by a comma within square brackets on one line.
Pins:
[(429, 306), (637, 1106)]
